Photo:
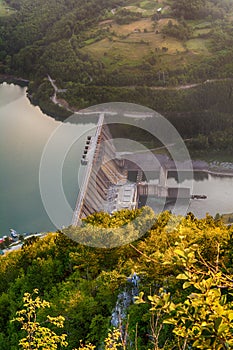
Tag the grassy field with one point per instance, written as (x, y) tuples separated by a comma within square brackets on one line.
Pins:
[(134, 49), (4, 9), (117, 52), (159, 41), (201, 32), (198, 46), (143, 24), (148, 5), (134, 9), (132, 42), (142, 9), (127, 29), (130, 45)]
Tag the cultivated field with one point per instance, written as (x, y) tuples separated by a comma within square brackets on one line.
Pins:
[(4, 9), (125, 29), (130, 45), (198, 46)]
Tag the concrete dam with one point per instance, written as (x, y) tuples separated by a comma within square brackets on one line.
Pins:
[(106, 184)]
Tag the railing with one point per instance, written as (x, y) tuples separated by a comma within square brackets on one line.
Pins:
[(88, 171)]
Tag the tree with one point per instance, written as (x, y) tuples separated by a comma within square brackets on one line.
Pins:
[(189, 9), (204, 319), (111, 342), (38, 337)]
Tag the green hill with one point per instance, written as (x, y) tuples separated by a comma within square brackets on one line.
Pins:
[(124, 43), (172, 56)]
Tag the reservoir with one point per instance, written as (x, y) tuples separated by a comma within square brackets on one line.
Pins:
[(24, 132), (218, 189)]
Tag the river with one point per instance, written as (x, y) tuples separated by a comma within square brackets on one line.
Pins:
[(24, 132)]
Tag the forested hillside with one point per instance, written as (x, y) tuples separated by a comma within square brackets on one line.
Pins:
[(86, 42), (155, 53), (84, 285)]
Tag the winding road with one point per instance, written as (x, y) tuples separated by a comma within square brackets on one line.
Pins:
[(64, 104)]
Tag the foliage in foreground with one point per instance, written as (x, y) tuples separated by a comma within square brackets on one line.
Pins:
[(40, 337), (82, 284), (203, 320)]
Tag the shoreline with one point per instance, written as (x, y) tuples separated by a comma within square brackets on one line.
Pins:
[(220, 173), (11, 79), (60, 111)]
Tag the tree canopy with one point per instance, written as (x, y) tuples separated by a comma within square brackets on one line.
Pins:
[(82, 284)]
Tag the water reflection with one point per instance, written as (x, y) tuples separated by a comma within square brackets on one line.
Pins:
[(185, 175)]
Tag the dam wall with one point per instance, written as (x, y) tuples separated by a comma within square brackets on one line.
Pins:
[(102, 170)]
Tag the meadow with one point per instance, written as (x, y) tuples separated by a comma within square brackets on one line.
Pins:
[(5, 10), (134, 43)]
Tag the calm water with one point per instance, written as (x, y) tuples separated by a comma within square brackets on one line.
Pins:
[(219, 192), (24, 132)]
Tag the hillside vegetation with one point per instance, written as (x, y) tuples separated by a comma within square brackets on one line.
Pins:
[(122, 43), (174, 56), (115, 41), (83, 284)]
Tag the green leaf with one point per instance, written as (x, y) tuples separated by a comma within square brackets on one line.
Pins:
[(196, 343), (230, 342), (217, 322), (182, 276), (180, 253), (223, 299), (222, 328), (139, 299), (186, 285), (170, 321)]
